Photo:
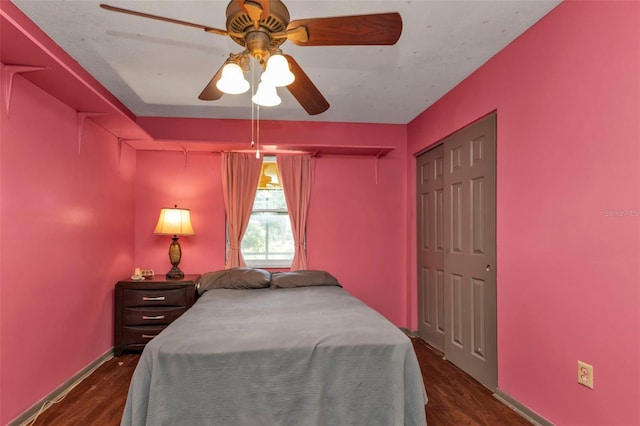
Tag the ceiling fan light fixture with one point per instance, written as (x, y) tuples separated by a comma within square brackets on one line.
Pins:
[(266, 95), (278, 71), (262, 26), (232, 80)]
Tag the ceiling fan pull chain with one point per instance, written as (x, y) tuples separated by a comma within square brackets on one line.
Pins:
[(258, 132), (252, 110)]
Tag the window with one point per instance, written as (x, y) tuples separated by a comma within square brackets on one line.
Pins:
[(268, 240)]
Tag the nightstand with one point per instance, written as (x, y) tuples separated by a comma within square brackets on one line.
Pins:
[(145, 308)]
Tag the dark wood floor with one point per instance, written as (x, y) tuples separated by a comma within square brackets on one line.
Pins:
[(457, 399), (454, 397)]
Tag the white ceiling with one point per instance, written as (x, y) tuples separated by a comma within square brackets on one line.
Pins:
[(159, 69)]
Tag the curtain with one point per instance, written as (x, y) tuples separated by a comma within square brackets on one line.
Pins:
[(295, 172), (240, 176)]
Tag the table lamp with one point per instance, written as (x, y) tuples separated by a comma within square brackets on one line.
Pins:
[(176, 222)]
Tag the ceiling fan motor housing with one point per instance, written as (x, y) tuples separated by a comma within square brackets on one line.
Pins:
[(257, 41)]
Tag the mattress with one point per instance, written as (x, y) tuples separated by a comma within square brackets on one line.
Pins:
[(291, 356)]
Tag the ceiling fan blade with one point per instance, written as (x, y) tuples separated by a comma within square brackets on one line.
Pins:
[(164, 19), (356, 30), (211, 92), (305, 92), (255, 9)]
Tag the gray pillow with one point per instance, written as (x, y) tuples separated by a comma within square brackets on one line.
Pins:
[(234, 278), (304, 278)]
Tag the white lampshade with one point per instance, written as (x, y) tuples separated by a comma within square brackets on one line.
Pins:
[(232, 80), (174, 221), (266, 95), (278, 72)]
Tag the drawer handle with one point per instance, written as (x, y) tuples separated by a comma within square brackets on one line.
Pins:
[(148, 336), (157, 317), (153, 299)]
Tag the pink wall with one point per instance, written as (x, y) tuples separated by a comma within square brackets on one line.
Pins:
[(281, 133), (66, 237), (567, 95), (568, 102), (355, 227), (192, 181)]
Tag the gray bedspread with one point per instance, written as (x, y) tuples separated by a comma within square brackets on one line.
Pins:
[(299, 356)]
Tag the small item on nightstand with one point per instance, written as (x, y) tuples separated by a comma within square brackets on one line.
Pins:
[(147, 273), (137, 274)]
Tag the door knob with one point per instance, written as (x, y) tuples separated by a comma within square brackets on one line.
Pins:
[(488, 268)]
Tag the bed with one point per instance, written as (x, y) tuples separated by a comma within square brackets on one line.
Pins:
[(277, 354)]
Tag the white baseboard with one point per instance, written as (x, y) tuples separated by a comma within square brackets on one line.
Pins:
[(27, 416), (521, 409)]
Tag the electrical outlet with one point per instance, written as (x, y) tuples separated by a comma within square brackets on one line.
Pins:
[(585, 374)]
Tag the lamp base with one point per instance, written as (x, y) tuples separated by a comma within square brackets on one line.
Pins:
[(175, 253), (175, 274)]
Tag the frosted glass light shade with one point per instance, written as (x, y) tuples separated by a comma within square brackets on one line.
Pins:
[(266, 95), (174, 221), (232, 80), (278, 72)]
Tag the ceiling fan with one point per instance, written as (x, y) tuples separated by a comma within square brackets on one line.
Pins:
[(262, 26)]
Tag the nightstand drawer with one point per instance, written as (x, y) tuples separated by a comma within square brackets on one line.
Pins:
[(154, 297), (151, 315), (141, 334), (144, 308)]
